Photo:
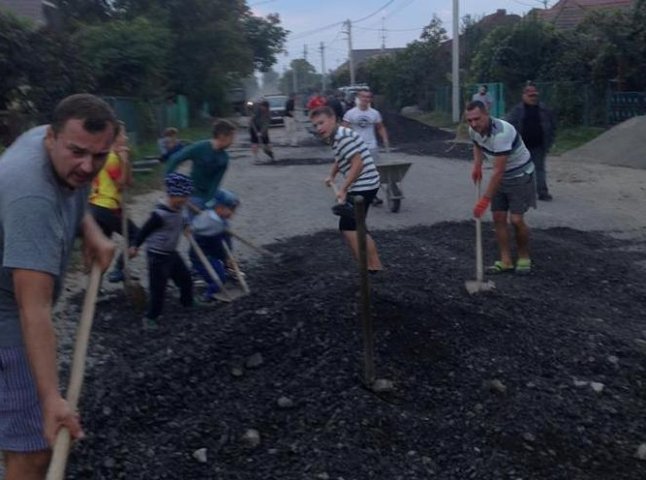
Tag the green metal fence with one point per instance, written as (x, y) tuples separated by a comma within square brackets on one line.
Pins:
[(624, 105), (146, 120), (576, 103), (443, 97)]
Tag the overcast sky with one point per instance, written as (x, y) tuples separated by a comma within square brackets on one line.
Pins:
[(400, 21)]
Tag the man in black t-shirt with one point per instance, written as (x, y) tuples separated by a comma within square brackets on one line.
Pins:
[(537, 126)]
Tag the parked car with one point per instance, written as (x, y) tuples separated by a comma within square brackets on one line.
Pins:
[(276, 107)]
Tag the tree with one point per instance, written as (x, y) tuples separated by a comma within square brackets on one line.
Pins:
[(15, 61), (128, 57), (79, 12), (618, 56), (306, 77), (41, 67), (213, 42), (270, 80), (514, 54), (409, 77), (266, 38)]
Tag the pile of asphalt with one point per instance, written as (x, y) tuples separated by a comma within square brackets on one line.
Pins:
[(543, 378)]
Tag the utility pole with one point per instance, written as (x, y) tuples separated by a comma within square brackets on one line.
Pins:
[(348, 24), (293, 66), (383, 34), (323, 79), (455, 74), (305, 52)]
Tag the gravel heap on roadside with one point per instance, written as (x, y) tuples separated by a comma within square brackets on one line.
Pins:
[(542, 378), (415, 138)]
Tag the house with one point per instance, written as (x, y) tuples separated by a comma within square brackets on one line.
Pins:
[(486, 24), (40, 12), (360, 56), (567, 14), (363, 55)]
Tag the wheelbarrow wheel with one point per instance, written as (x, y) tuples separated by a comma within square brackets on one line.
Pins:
[(394, 204)]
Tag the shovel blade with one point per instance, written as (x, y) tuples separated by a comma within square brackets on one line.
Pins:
[(229, 294), (476, 286), (136, 295)]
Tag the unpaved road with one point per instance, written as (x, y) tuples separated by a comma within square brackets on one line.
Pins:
[(281, 201)]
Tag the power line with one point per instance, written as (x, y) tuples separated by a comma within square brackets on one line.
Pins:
[(315, 31), (373, 13), (392, 29), (332, 25), (544, 3)]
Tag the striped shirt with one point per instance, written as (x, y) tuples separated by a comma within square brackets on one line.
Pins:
[(347, 144), (503, 140)]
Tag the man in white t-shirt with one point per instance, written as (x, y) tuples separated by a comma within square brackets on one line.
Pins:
[(483, 95), (511, 189), (364, 120)]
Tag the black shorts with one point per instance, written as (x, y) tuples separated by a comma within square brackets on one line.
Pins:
[(348, 224), (254, 137)]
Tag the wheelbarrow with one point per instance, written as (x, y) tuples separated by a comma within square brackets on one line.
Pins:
[(392, 175)]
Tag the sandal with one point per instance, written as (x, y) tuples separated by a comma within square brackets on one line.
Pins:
[(499, 267), (524, 265)]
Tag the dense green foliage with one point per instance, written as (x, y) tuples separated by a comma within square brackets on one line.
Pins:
[(151, 49)]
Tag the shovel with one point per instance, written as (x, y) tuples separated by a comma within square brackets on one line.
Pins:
[(133, 290), (236, 268), (263, 251), (224, 295), (342, 209), (479, 285), (63, 439)]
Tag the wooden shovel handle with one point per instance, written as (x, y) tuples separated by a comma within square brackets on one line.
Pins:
[(206, 264), (63, 439), (479, 254), (335, 189), (236, 267), (250, 244)]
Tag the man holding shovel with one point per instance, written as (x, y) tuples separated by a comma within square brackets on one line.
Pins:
[(511, 189), (353, 160), (44, 186)]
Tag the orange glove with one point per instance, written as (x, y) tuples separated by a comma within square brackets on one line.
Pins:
[(476, 173), (481, 207)]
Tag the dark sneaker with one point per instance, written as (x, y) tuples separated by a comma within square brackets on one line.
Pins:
[(546, 197), (115, 276), (377, 201)]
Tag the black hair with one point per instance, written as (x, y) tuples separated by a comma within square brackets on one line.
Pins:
[(476, 104), (96, 114)]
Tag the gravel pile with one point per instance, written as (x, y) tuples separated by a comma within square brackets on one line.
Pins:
[(541, 379), (415, 138)]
